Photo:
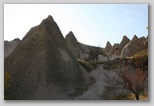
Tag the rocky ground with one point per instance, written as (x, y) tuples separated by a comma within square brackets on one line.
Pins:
[(95, 91)]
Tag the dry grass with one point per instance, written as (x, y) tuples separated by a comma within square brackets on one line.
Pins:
[(142, 97)]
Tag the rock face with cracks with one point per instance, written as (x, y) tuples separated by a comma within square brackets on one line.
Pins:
[(10, 46), (43, 68), (112, 51), (123, 43), (108, 47), (133, 47), (74, 45)]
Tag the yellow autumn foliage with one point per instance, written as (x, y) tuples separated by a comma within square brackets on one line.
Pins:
[(6, 80)]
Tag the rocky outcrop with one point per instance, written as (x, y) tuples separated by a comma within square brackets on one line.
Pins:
[(133, 47), (88, 48), (142, 39), (115, 49), (10, 46), (123, 43), (42, 66), (74, 45), (108, 47)]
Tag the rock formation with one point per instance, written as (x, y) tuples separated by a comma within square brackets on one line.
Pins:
[(123, 43), (10, 46), (134, 46), (142, 39), (108, 47), (74, 45), (42, 66), (115, 49), (87, 48)]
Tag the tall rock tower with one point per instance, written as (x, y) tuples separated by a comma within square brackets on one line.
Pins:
[(43, 68)]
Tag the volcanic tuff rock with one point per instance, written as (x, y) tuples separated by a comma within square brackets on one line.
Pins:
[(42, 66), (74, 45), (134, 46), (112, 51), (10, 46), (108, 47), (88, 48), (123, 43), (142, 39)]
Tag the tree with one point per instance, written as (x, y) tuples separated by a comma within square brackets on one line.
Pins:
[(128, 79), (93, 54)]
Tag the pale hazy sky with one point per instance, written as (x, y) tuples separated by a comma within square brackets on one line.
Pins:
[(92, 24)]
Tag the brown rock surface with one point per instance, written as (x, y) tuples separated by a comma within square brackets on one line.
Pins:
[(10, 46), (112, 51), (42, 66), (133, 47), (108, 47), (123, 43), (142, 39), (74, 45)]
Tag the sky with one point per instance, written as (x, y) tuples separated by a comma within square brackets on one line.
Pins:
[(92, 24)]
